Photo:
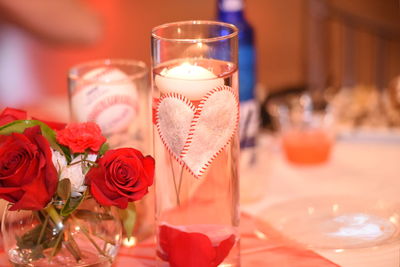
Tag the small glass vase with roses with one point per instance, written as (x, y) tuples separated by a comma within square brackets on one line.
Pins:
[(65, 190)]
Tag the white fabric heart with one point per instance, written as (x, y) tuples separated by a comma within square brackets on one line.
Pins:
[(195, 136)]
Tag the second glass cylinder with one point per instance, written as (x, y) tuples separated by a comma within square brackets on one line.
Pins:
[(195, 118)]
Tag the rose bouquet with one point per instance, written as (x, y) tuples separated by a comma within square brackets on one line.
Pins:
[(63, 184)]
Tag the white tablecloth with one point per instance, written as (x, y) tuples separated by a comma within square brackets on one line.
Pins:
[(361, 166)]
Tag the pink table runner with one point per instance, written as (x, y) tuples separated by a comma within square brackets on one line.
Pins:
[(261, 245)]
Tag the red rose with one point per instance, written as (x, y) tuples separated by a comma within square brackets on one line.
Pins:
[(191, 249), (81, 136), (28, 177), (10, 114), (121, 176)]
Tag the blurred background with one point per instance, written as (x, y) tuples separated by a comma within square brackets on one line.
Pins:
[(314, 44), (346, 53)]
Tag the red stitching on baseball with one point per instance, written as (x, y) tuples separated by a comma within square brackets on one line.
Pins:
[(104, 71)]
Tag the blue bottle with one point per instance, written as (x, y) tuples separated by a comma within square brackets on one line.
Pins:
[(231, 11)]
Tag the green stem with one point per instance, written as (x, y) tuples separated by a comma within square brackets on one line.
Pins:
[(84, 160), (54, 251), (72, 247), (55, 217), (44, 226), (174, 179), (180, 181), (87, 234)]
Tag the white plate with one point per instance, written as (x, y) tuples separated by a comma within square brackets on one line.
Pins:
[(351, 231)]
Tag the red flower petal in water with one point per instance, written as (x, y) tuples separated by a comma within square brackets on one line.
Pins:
[(185, 249)]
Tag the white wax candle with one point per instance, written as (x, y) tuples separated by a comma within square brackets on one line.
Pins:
[(189, 80)]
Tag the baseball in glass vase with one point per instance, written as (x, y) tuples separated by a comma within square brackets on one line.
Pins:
[(115, 93), (196, 145)]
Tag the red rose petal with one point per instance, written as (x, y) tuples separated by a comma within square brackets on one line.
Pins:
[(191, 250), (100, 197), (148, 165), (223, 250), (185, 249)]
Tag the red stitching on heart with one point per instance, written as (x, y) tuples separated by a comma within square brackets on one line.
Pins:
[(191, 132), (195, 121), (186, 101)]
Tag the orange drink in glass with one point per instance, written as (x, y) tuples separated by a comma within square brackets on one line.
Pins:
[(311, 146), (306, 131)]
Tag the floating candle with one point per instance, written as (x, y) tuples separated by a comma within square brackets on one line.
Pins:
[(190, 80)]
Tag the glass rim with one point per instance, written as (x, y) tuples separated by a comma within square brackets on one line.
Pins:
[(141, 72), (234, 32)]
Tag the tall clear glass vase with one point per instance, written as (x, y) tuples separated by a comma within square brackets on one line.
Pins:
[(195, 118)]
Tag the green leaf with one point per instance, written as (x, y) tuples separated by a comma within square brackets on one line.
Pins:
[(64, 189), (128, 217), (19, 126), (71, 205), (67, 153), (103, 149), (91, 215)]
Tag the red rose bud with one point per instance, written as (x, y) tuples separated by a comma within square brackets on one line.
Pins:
[(28, 177), (121, 176), (81, 136)]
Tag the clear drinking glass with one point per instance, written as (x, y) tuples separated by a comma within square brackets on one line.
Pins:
[(114, 93), (306, 129), (195, 118)]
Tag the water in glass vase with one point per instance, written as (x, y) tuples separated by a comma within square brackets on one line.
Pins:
[(195, 114), (79, 240), (89, 259)]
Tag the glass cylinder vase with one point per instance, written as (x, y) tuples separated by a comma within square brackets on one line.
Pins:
[(90, 236), (114, 93), (195, 118)]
